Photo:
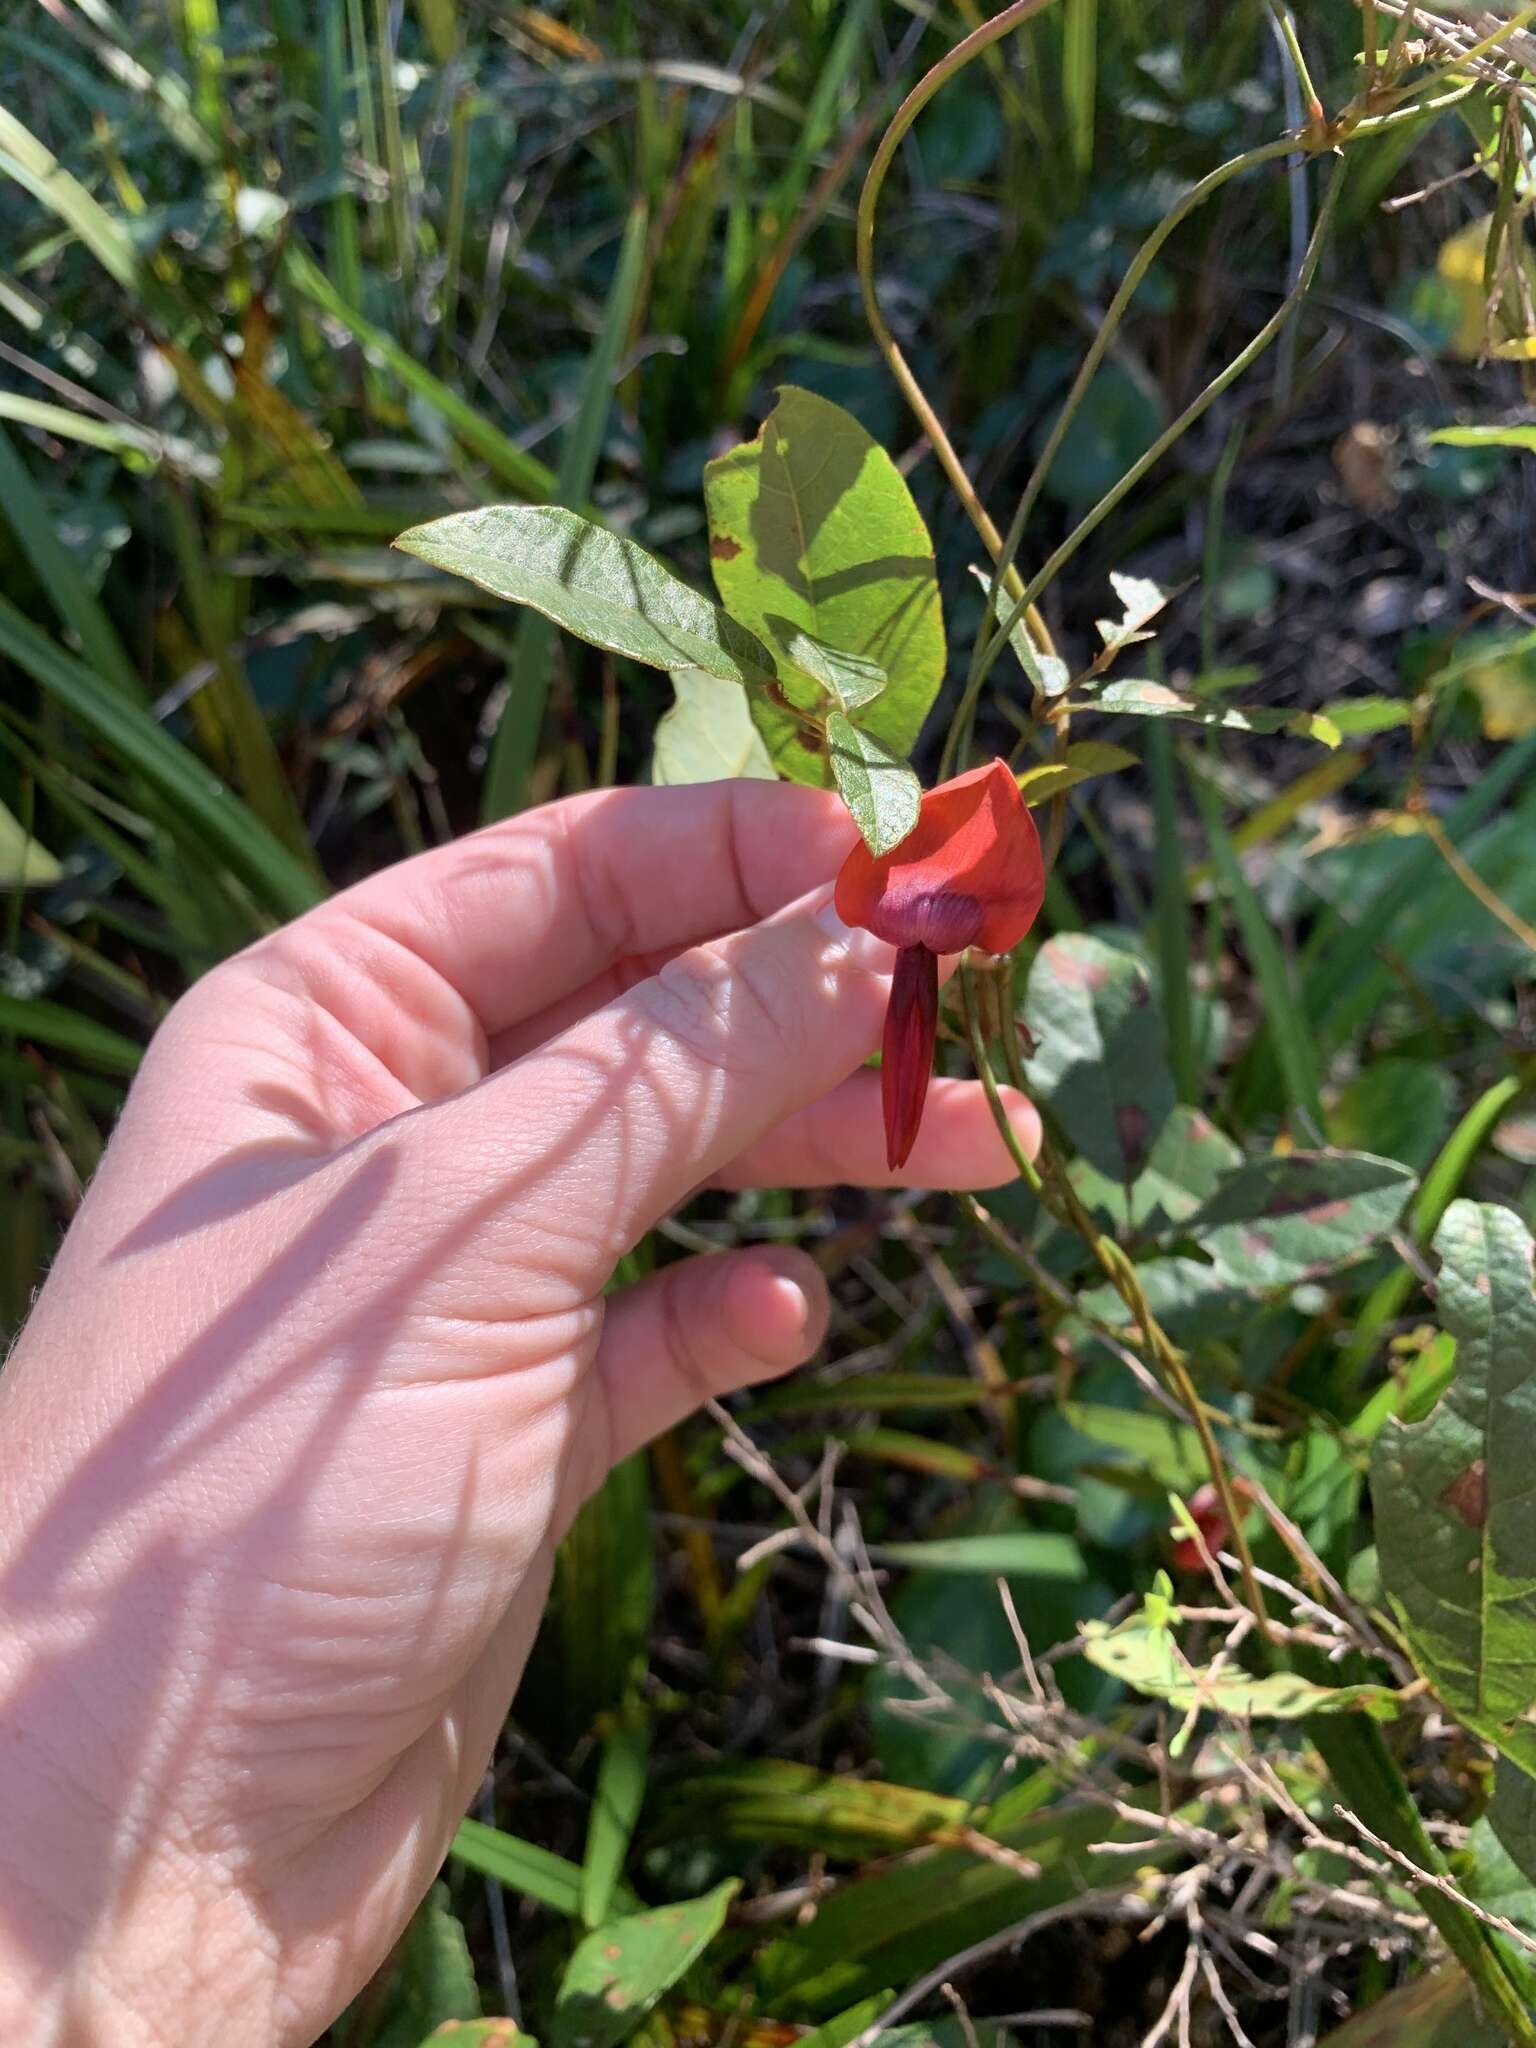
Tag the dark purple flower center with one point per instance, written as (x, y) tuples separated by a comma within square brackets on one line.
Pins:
[(943, 920)]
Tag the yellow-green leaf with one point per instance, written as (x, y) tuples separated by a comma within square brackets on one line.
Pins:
[(812, 528)]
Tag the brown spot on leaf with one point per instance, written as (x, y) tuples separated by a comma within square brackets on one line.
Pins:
[(612, 1952), (1300, 1196), (1072, 971), (616, 1997), (1131, 1130), (1326, 1212), (722, 548), (1467, 1494)]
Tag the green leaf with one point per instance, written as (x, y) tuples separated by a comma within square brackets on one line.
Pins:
[(1452, 1494), (1356, 717), (876, 1390), (24, 862), (848, 679), (616, 1803), (708, 735), (882, 793), (1184, 1167), (843, 2027), (762, 1800), (1140, 599), (813, 529), (902, 1918), (1511, 1821), (1295, 1048), (1142, 1653), (1084, 759), (435, 1980), (1168, 1453), (524, 1867), (1035, 1553), (1293, 1215), (1048, 673), (1512, 436), (34, 167), (619, 1971), (598, 585), (1101, 1061), (1141, 698), (1437, 2010), (1399, 1107)]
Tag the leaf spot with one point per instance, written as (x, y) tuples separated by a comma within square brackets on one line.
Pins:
[(1131, 1125), (722, 548), (1467, 1494)]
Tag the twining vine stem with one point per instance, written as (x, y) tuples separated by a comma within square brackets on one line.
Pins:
[(1048, 1182), (1379, 106)]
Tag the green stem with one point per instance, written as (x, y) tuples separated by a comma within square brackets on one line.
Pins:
[(1055, 1192), (954, 61), (1195, 410), (1293, 49)]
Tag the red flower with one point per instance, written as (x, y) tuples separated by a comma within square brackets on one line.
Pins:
[(1210, 1518), (969, 873)]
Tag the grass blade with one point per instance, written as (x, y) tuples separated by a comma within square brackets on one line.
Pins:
[(1300, 1066), (1079, 67), (211, 817), (63, 1029), (56, 569), (616, 1803), (525, 474), (524, 1867)]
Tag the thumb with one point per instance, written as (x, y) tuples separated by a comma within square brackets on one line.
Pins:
[(703, 1328)]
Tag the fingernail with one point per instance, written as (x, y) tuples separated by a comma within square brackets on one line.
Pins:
[(861, 948)]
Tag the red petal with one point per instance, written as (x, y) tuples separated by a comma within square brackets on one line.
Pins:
[(906, 1051), (974, 842)]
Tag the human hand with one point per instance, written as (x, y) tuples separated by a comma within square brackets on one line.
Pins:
[(324, 1370)]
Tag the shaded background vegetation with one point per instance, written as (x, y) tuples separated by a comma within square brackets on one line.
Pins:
[(279, 280)]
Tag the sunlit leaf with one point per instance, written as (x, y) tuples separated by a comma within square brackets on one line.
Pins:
[(708, 735), (883, 793), (603, 588), (620, 1970), (812, 528), (1140, 698), (1143, 1653), (1084, 760), (1452, 1493)]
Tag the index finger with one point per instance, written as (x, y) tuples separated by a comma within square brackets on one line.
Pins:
[(521, 914)]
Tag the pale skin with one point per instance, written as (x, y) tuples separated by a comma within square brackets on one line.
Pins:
[(325, 1368)]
